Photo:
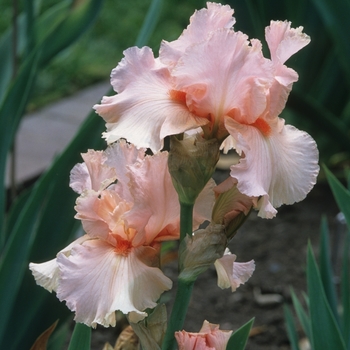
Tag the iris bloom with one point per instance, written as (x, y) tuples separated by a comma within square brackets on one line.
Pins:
[(209, 337), (127, 207), (216, 79)]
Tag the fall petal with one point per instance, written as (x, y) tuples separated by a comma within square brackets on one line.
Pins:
[(143, 111), (232, 274), (280, 167), (96, 281), (46, 274)]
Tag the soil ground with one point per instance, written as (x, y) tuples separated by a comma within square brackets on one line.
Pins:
[(278, 247)]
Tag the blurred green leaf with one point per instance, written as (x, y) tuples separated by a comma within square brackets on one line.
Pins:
[(345, 291), (340, 193), (239, 338), (81, 337), (335, 14), (326, 269), (291, 330), (50, 202), (325, 331), (302, 316)]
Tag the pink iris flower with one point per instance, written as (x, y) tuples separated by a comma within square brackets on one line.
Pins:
[(127, 206), (210, 337), (216, 79)]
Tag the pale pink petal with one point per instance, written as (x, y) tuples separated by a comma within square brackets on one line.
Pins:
[(280, 167), (92, 174), (155, 214), (96, 281), (210, 337), (232, 274), (225, 75), (119, 156), (202, 22), (284, 41), (46, 274), (101, 213), (143, 111)]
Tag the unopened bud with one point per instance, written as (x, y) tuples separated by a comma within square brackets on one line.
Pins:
[(231, 209), (199, 251), (191, 164)]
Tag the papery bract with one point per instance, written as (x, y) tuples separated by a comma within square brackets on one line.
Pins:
[(210, 337)]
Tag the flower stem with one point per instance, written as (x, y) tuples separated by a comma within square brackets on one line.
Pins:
[(184, 289)]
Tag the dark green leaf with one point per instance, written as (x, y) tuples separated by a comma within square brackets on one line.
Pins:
[(326, 269), (239, 338), (291, 330), (325, 331), (81, 337)]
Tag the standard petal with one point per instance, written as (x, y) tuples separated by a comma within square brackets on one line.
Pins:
[(232, 274), (143, 111), (155, 214), (96, 281), (225, 75), (284, 41), (281, 167), (93, 174), (202, 23)]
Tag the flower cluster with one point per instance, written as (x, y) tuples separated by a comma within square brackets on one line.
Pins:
[(215, 79), (210, 89)]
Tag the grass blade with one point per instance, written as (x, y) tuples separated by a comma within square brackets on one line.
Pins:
[(325, 331), (291, 330)]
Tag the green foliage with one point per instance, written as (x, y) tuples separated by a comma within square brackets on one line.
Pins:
[(81, 337), (239, 338), (326, 321)]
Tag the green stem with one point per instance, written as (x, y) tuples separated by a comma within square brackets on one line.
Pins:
[(184, 289)]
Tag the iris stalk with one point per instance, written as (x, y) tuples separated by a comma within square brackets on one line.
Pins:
[(184, 289)]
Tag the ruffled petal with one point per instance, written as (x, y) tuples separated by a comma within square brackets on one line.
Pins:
[(155, 214), (281, 167), (143, 111), (92, 174), (284, 41), (46, 274), (202, 23), (231, 273), (238, 86), (96, 281)]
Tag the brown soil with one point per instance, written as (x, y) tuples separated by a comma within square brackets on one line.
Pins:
[(278, 247)]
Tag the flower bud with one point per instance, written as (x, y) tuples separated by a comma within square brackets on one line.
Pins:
[(231, 208), (201, 250), (191, 164)]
